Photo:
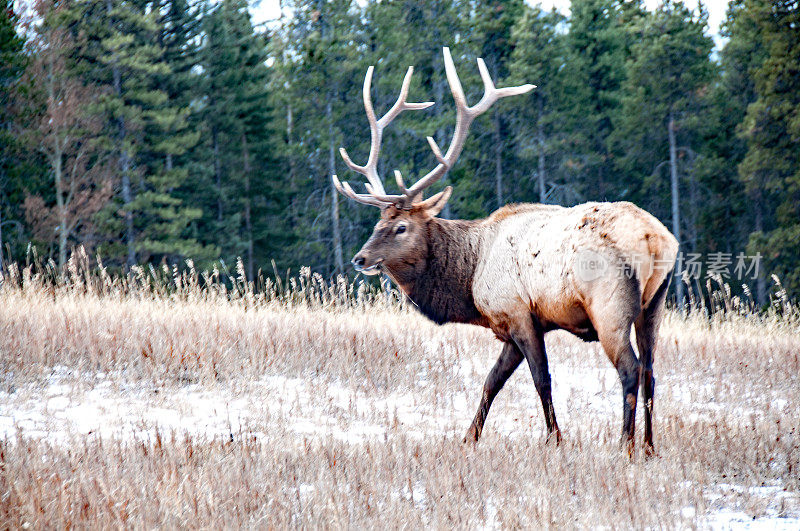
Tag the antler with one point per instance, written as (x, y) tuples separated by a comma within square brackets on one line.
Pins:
[(376, 194), (464, 116)]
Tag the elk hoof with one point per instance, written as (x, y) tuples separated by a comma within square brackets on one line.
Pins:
[(627, 445), (554, 437), (472, 436), (649, 451)]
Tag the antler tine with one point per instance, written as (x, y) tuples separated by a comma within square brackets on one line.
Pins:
[(386, 198), (398, 178), (436, 151), (492, 94), (464, 117), (346, 190), (369, 170), (401, 104)]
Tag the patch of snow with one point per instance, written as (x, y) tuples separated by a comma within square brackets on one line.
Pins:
[(780, 403), (727, 519)]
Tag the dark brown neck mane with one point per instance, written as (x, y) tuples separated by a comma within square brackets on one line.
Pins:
[(441, 286)]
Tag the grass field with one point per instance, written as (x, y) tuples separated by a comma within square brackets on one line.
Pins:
[(142, 404)]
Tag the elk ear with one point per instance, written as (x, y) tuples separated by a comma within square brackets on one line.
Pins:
[(435, 203)]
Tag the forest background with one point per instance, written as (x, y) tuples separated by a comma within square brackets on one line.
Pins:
[(161, 131)]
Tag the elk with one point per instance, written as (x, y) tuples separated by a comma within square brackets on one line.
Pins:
[(594, 269)]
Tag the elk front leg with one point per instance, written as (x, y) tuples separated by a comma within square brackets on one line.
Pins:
[(506, 364)]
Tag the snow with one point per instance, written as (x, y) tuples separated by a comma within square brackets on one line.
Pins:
[(724, 519), (109, 406)]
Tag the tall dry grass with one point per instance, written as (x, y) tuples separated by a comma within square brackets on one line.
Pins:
[(727, 420)]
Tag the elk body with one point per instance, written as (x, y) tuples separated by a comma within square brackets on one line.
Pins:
[(594, 270)]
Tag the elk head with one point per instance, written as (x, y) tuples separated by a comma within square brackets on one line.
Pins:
[(399, 241)]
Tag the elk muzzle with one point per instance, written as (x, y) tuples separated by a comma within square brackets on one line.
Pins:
[(365, 264)]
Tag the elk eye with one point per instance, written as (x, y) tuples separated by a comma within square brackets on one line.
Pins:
[(401, 229)]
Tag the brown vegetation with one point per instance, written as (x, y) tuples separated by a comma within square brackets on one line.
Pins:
[(368, 434)]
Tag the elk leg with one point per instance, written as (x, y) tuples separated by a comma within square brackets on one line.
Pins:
[(646, 326), (619, 350), (647, 381), (532, 346), (504, 367)]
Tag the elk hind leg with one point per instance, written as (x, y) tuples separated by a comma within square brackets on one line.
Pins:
[(646, 325), (506, 364), (614, 332), (620, 352)]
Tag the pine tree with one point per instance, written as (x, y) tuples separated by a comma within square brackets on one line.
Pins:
[(12, 65), (164, 219), (325, 61), (495, 20), (180, 32), (598, 49), (142, 129), (729, 210), (670, 66), (247, 181), (538, 56), (771, 129)]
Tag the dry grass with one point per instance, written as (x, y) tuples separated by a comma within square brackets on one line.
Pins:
[(142, 403)]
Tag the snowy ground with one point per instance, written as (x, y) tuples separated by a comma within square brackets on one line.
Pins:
[(70, 406), (343, 419)]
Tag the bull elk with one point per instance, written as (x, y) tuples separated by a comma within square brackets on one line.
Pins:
[(594, 269)]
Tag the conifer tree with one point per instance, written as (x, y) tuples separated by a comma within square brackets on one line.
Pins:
[(142, 130), (12, 65), (495, 20), (771, 129), (729, 209), (669, 67), (598, 50), (247, 180), (538, 57), (326, 62)]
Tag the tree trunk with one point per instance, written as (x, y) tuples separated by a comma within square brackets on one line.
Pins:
[(56, 162), (217, 173), (439, 95), (58, 176), (127, 190), (540, 143), (498, 159), (127, 199), (337, 234), (124, 163), (2, 257), (289, 141), (690, 218), (676, 219), (761, 283), (248, 226)]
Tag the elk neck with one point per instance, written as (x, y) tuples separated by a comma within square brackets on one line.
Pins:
[(442, 286)]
